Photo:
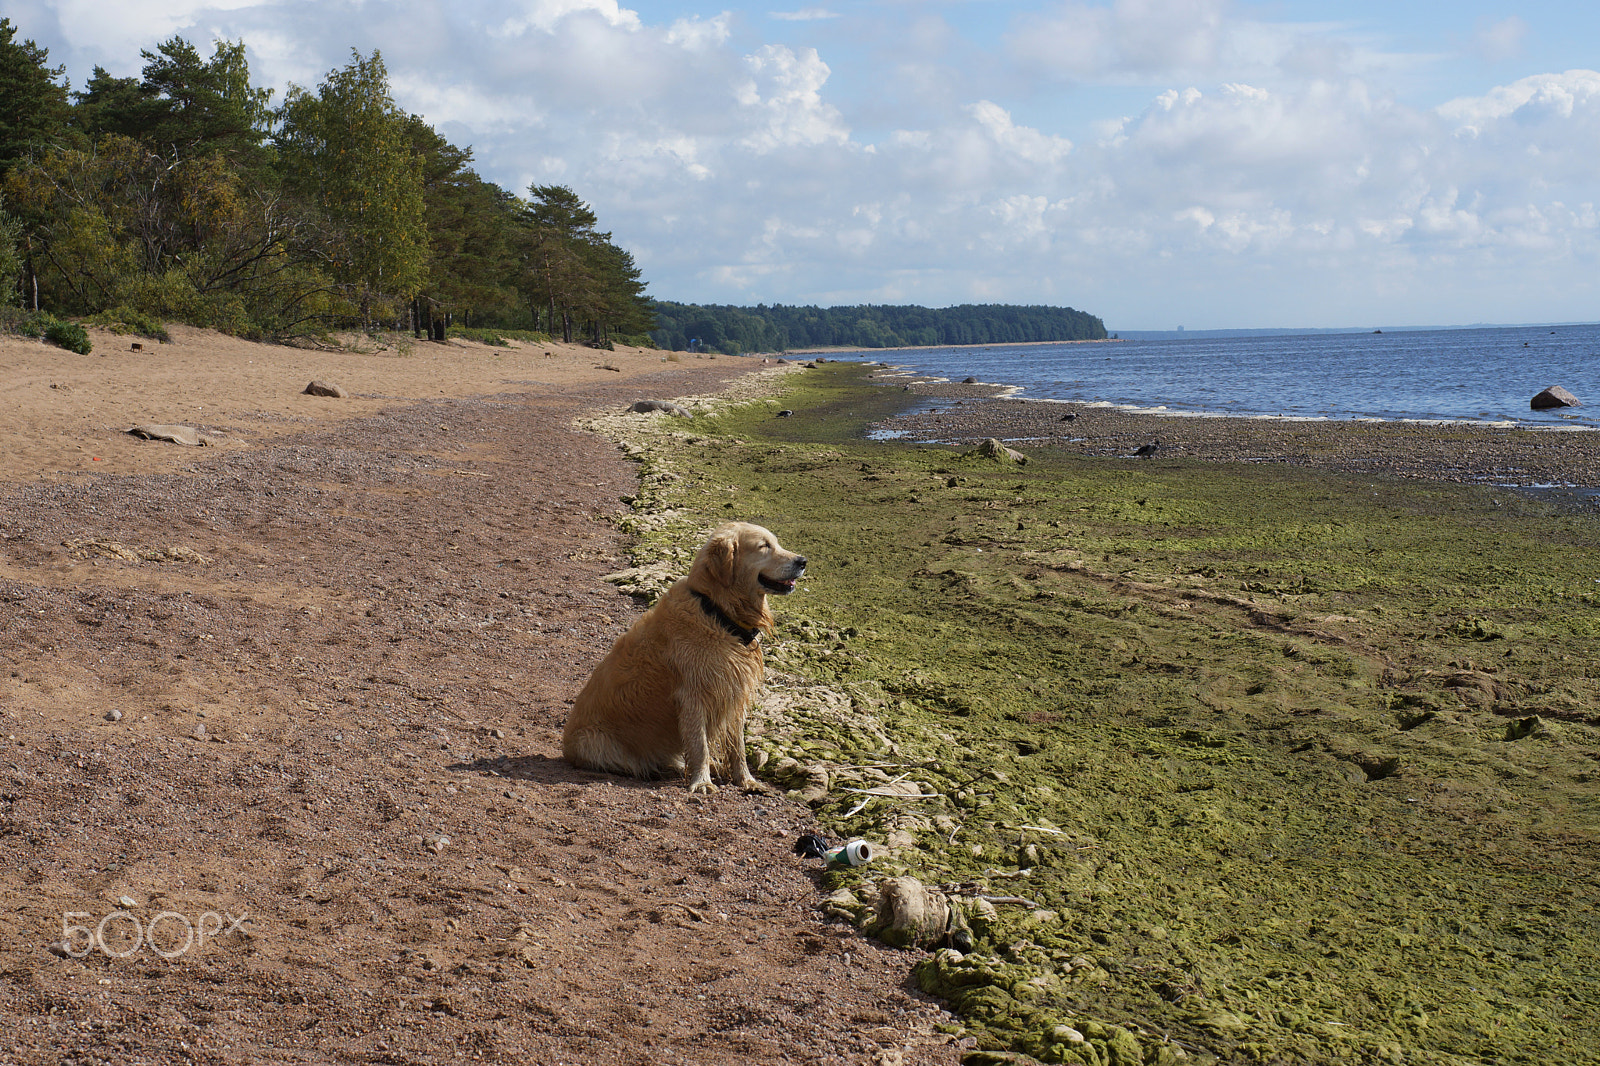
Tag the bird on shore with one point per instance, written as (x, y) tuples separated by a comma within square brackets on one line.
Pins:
[(1145, 451)]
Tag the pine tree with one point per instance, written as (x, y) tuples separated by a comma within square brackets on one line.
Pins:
[(33, 107), (576, 272), (204, 105), (470, 226)]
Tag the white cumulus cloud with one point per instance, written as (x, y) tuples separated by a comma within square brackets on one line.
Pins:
[(805, 14), (785, 92)]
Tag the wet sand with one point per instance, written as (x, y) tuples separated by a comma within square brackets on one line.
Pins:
[(1557, 461)]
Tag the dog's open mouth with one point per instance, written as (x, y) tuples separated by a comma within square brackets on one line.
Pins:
[(779, 586)]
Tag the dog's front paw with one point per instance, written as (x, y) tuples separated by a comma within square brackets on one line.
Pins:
[(754, 786), (701, 785)]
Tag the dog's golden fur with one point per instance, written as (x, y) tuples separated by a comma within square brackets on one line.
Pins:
[(672, 694)]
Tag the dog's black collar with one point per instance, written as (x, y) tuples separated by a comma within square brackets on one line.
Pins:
[(746, 636)]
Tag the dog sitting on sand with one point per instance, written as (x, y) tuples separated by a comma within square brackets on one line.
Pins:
[(672, 693)]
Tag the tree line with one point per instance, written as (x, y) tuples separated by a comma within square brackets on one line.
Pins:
[(186, 195), (776, 328)]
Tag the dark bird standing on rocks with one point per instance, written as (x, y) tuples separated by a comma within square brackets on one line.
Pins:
[(1145, 451)]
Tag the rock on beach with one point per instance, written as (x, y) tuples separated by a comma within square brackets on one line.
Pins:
[(645, 407)]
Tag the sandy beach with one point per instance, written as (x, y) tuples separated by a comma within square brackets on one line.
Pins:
[(282, 720), (69, 412), (307, 681)]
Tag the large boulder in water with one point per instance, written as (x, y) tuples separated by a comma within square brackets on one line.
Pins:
[(1554, 396)]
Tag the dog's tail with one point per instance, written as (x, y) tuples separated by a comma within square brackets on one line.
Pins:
[(591, 749)]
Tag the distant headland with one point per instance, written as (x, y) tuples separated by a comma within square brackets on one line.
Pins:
[(777, 327)]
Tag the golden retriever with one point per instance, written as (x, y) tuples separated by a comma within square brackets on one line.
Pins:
[(672, 693)]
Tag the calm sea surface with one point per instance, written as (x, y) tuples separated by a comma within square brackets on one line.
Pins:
[(1477, 375)]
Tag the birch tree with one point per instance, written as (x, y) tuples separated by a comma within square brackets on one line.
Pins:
[(345, 150)]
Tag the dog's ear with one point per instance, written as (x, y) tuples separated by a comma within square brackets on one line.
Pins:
[(717, 557)]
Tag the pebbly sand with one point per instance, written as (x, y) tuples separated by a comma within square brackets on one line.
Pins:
[(302, 689), (1460, 452)]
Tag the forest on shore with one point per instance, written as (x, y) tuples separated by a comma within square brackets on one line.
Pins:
[(777, 328), (186, 195)]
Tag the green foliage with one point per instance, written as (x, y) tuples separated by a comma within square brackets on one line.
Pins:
[(10, 256), (472, 225), (492, 337), (68, 335), (778, 327), (574, 273), (346, 152), (122, 225), (112, 105), (171, 295), (689, 327), (124, 320), (33, 107), (29, 323), (182, 105), (498, 337), (203, 104)]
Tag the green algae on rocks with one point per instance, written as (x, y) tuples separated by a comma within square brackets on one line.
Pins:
[(1217, 762)]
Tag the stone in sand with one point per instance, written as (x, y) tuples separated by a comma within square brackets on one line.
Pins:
[(1554, 396), (175, 434), (322, 388), (910, 913), (645, 407), (993, 449)]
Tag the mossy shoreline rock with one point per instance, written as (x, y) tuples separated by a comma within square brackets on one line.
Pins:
[(1003, 998), (910, 914), (993, 449)]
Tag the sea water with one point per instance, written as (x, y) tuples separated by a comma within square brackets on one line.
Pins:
[(1485, 375)]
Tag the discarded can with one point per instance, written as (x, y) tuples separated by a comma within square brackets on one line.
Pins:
[(855, 853)]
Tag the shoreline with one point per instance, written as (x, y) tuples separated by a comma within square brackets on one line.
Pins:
[(1188, 725), (932, 347), (1495, 454)]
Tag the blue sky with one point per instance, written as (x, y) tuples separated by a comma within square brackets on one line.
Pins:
[(1156, 162)]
